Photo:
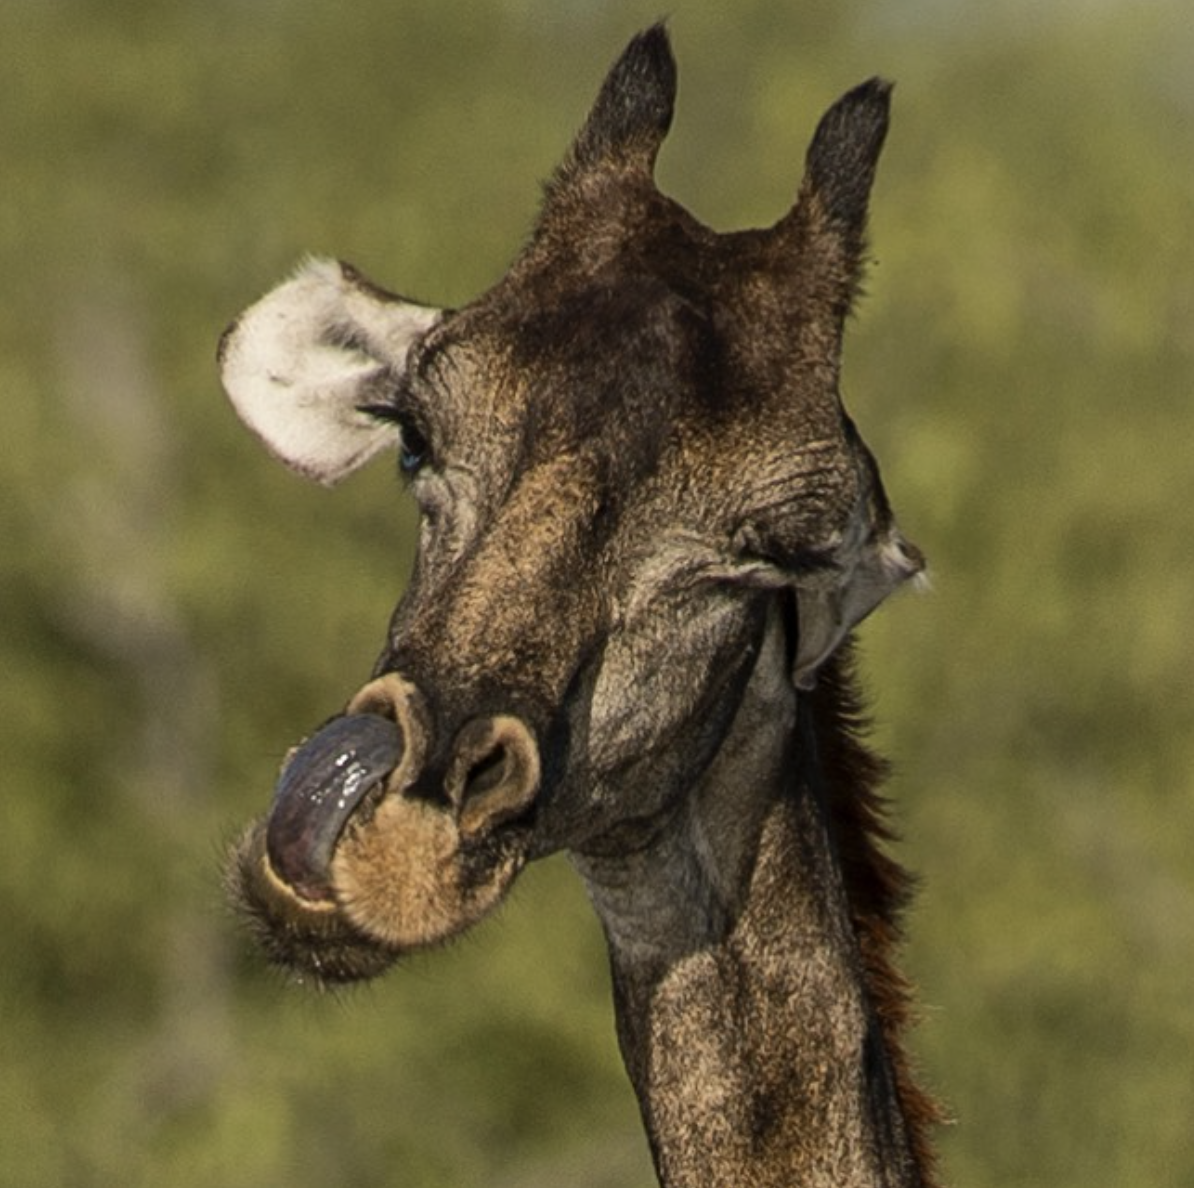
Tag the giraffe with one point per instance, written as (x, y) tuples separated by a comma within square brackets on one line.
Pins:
[(648, 528)]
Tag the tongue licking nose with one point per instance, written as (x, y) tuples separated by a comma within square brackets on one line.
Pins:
[(321, 786)]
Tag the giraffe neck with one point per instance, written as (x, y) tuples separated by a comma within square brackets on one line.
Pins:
[(741, 999)]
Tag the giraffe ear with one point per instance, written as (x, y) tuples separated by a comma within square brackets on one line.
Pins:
[(831, 602), (303, 365)]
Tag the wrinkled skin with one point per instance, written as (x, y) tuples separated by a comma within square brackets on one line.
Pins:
[(630, 455)]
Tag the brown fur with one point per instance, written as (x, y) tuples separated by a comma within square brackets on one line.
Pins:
[(757, 1012), (648, 529), (402, 877)]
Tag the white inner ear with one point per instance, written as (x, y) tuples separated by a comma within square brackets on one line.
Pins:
[(299, 364), (832, 602)]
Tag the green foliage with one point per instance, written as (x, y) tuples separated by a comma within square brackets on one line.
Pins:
[(177, 609)]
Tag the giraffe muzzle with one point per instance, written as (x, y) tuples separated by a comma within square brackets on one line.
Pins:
[(366, 854), (322, 784), (359, 823), (375, 748)]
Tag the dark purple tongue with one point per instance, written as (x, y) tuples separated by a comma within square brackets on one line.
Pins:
[(320, 787)]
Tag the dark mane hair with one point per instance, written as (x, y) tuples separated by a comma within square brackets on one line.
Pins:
[(878, 888)]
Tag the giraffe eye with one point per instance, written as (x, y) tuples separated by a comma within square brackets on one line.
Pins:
[(413, 449)]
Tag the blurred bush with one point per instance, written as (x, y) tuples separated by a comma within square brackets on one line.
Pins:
[(176, 609)]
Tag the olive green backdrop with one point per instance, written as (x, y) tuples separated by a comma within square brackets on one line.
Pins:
[(175, 609)]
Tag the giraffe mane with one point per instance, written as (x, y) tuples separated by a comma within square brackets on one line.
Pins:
[(878, 889)]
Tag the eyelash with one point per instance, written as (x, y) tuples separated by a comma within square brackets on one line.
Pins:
[(413, 448)]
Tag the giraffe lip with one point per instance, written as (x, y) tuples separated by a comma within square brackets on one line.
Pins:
[(323, 782)]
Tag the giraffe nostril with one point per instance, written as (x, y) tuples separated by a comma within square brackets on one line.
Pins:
[(487, 772), (493, 775)]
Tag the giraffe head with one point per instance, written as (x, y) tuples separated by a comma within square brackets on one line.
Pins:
[(626, 455)]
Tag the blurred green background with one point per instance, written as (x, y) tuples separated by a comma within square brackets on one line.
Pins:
[(176, 609)]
